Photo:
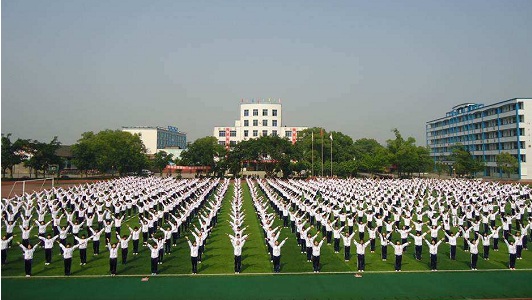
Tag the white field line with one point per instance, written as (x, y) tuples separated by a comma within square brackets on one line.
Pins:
[(265, 274)]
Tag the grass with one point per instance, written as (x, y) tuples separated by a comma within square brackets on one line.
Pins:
[(218, 259)]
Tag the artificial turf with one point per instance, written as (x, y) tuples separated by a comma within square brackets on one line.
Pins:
[(218, 259)]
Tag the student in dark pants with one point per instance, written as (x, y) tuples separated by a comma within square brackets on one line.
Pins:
[(28, 257), (194, 249), (67, 256), (316, 250)]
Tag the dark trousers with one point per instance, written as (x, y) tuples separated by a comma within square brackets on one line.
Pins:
[(329, 237), (513, 257), (398, 261), (303, 245), (96, 247), (27, 266), (112, 265), (154, 262), (277, 264), (135, 246), (144, 237), (4, 256), (124, 256), (68, 264), (361, 262), (347, 252), (316, 263), (83, 255), (48, 255), (309, 253), (336, 245), (486, 253), (384, 252), (495, 243), (419, 249), (433, 261), (168, 246), (453, 252), (519, 249), (372, 245), (238, 263), (194, 260), (474, 259)]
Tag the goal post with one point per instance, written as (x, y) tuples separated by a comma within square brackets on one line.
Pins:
[(31, 185)]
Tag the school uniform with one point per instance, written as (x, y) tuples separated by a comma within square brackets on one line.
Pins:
[(28, 258)]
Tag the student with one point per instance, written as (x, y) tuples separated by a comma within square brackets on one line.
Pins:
[(451, 240), (316, 249), (5, 246), (337, 232), (276, 250), (433, 250), (237, 251), (309, 241), (194, 248), (512, 252), (361, 253), (473, 249), (486, 245), (398, 249), (347, 245), (124, 243), (28, 257), (96, 241), (26, 231), (154, 255), (67, 256), (48, 246), (82, 245), (384, 246), (113, 256), (418, 243), (495, 235), (135, 236)]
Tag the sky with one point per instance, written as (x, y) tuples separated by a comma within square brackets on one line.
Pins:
[(359, 67)]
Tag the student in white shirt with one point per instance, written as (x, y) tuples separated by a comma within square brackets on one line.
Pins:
[(82, 242), (5, 246), (512, 253), (28, 257), (473, 249), (276, 250), (135, 237), (316, 250), (361, 254), (67, 256), (48, 246), (347, 238), (113, 256), (237, 251), (398, 248), (433, 250), (194, 249)]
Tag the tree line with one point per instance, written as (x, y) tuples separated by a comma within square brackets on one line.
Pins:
[(117, 152)]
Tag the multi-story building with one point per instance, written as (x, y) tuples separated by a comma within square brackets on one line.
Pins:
[(159, 138), (257, 118), (485, 131)]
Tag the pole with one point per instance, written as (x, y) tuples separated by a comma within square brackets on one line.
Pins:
[(331, 159), (322, 153), (312, 152)]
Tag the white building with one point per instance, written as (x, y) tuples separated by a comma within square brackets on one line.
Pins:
[(159, 138), (257, 118), (486, 131)]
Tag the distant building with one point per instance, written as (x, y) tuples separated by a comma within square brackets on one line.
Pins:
[(486, 131), (159, 138), (257, 118)]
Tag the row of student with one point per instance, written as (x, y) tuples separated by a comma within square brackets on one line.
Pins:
[(237, 217)]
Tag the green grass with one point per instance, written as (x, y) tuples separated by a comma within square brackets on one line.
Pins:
[(435, 285)]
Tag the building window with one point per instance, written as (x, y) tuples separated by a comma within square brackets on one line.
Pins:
[(274, 123), (255, 133), (288, 133), (232, 143), (274, 132), (521, 131), (246, 122), (255, 112), (274, 112), (264, 122), (264, 112), (221, 133), (232, 133), (246, 133), (246, 112), (523, 158), (221, 143), (255, 122), (264, 132)]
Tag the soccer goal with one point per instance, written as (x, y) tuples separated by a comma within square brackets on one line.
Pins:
[(31, 185)]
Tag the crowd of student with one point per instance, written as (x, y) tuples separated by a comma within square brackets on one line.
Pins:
[(395, 213)]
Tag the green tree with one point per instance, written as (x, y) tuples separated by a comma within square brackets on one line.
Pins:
[(11, 153), (406, 156), (205, 152), (371, 156), (110, 151), (161, 160), (439, 167), (464, 163), (507, 163), (43, 155)]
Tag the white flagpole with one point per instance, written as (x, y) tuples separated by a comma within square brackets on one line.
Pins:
[(331, 155), (312, 153)]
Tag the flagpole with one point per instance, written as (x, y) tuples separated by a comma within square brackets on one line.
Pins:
[(312, 152), (322, 153), (331, 156)]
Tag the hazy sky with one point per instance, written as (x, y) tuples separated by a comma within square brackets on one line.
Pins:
[(360, 67)]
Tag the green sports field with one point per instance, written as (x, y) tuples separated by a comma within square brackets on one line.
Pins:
[(173, 281)]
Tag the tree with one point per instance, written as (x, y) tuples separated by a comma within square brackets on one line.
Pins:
[(110, 151), (43, 155), (464, 163), (11, 154), (371, 156), (161, 160), (507, 163), (406, 156), (438, 167), (204, 152)]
